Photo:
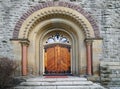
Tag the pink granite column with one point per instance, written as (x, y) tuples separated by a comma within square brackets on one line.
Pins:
[(24, 45), (89, 56)]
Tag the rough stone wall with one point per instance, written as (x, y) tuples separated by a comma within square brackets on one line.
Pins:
[(111, 30), (110, 77), (105, 12)]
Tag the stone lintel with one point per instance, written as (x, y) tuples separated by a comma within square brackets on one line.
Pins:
[(94, 38), (22, 41), (19, 39)]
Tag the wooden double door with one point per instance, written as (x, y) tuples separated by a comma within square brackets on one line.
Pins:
[(57, 59)]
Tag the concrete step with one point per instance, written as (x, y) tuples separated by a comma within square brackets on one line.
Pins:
[(59, 87), (58, 83), (55, 79)]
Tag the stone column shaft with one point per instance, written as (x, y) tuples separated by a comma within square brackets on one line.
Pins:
[(24, 46), (89, 56)]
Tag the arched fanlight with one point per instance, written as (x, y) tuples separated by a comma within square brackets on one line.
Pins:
[(57, 38)]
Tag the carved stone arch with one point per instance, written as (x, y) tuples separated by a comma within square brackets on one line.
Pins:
[(44, 14), (56, 15)]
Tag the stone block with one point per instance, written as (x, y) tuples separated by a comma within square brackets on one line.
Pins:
[(105, 80), (110, 63), (105, 75)]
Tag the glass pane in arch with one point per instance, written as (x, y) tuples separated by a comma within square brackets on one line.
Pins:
[(50, 40), (57, 38)]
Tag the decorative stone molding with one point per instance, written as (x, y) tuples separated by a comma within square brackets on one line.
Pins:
[(44, 15), (52, 14)]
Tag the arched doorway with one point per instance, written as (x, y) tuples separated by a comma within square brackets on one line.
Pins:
[(73, 21), (72, 44)]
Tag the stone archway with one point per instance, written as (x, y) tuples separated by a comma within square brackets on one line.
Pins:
[(82, 12), (43, 19)]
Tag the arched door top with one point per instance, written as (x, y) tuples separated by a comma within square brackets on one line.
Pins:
[(48, 9)]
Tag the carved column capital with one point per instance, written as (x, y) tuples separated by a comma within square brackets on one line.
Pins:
[(88, 41), (25, 42)]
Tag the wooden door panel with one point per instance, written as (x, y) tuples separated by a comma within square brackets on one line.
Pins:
[(50, 54), (57, 59), (65, 59)]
